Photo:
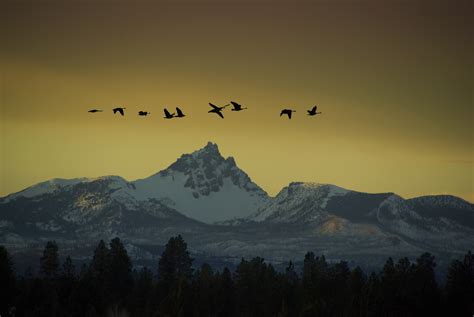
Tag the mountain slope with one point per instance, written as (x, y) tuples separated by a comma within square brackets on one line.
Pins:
[(204, 186), (221, 212), (433, 222)]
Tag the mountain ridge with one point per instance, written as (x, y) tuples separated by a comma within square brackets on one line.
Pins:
[(214, 203)]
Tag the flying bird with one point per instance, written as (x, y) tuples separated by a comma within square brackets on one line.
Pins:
[(119, 110), (287, 112), (217, 110), (168, 115), (143, 113), (179, 113), (313, 112), (237, 107), (94, 110)]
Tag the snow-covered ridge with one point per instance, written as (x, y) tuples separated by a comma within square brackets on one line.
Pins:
[(202, 185), (45, 187), (205, 186), (298, 201)]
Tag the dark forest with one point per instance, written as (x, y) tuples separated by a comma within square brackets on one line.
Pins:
[(110, 286)]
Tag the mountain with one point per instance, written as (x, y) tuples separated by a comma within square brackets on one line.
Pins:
[(442, 223), (204, 186), (199, 185), (222, 214)]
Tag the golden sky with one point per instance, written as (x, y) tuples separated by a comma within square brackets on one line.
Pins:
[(394, 80)]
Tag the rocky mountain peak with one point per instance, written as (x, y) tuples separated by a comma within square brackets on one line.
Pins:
[(206, 171)]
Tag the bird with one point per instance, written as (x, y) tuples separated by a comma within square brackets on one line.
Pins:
[(287, 112), (179, 113), (313, 112), (217, 110), (237, 107), (143, 113), (119, 109), (94, 110), (168, 115)]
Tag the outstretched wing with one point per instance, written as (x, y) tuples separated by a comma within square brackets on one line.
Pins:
[(314, 109), (167, 113), (282, 112), (214, 106), (121, 111), (289, 114), (179, 112), (220, 114)]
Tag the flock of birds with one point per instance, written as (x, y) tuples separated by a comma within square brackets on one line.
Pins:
[(215, 109)]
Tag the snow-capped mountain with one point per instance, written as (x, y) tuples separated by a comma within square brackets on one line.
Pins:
[(221, 212), (202, 185), (441, 222)]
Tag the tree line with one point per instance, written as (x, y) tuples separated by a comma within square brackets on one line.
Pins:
[(109, 286)]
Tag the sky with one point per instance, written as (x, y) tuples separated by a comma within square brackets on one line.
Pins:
[(393, 79)]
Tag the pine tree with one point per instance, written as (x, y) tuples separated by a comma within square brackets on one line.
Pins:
[(100, 261), (315, 282), (291, 291), (372, 295), (96, 279), (141, 296), (205, 291), (425, 286), (7, 282), (388, 287), (225, 294), (68, 269), (174, 275), (357, 282), (258, 292), (49, 262), (119, 274), (460, 286), (67, 283), (174, 263)]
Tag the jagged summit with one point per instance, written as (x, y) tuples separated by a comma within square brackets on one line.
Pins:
[(201, 184), (209, 149), (206, 170)]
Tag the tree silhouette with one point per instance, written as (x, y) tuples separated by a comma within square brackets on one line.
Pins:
[(174, 273), (225, 294), (460, 286), (49, 262), (119, 279), (7, 282), (141, 297), (107, 286)]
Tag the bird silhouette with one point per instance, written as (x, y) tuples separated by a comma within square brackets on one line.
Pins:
[(119, 110), (217, 110), (179, 113), (168, 115), (313, 112), (94, 110), (237, 107), (143, 113), (287, 112)]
